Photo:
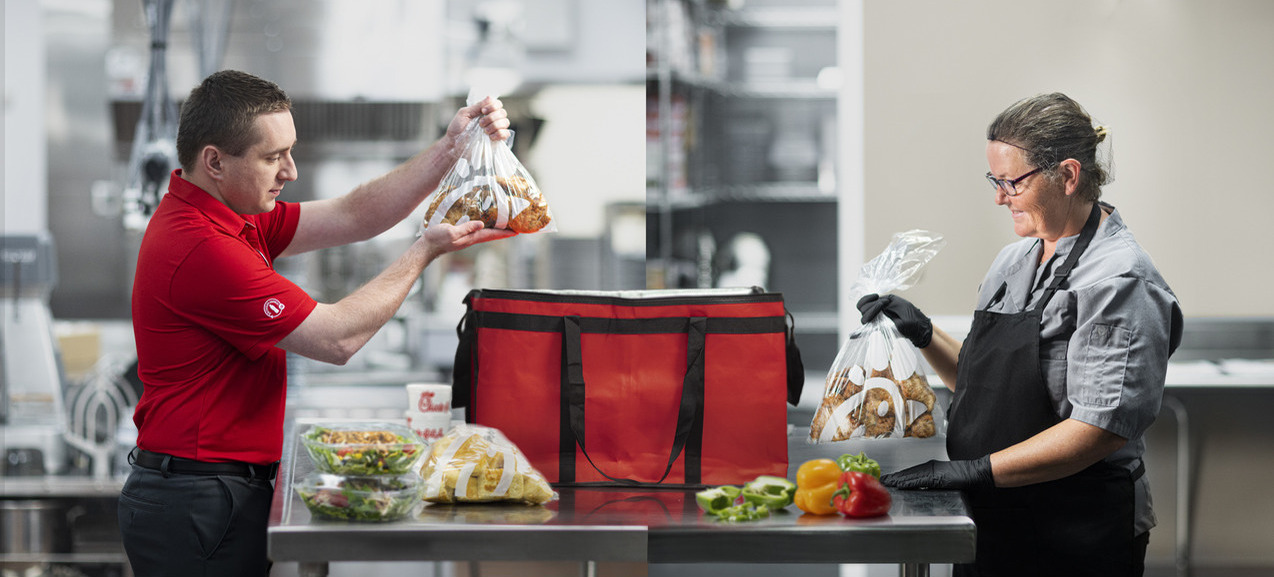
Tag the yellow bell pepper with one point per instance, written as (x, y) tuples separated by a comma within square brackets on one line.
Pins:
[(816, 481)]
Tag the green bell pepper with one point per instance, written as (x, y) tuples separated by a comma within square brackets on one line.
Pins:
[(717, 499), (744, 512), (860, 463), (772, 492)]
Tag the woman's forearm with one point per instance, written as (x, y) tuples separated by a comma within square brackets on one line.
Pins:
[(1056, 452)]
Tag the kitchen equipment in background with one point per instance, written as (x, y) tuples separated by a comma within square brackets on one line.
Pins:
[(624, 246), (32, 530), (154, 153), (32, 417), (794, 151), (97, 408), (749, 137), (210, 29), (762, 64), (746, 262), (703, 262), (499, 56), (34, 526)]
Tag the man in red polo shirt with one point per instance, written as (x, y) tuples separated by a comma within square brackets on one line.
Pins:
[(213, 320)]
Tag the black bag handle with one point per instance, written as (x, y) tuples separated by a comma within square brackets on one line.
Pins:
[(689, 433), (795, 367), (462, 368)]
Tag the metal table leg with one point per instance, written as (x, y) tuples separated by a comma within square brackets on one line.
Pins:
[(1184, 500), (307, 569), (913, 570)]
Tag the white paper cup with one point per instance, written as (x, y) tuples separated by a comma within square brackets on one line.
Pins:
[(429, 398), (428, 426)]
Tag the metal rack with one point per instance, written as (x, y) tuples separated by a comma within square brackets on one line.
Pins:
[(723, 127)]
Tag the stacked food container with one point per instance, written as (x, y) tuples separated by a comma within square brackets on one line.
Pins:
[(366, 471)]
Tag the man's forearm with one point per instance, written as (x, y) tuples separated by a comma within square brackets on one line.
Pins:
[(333, 333), (372, 207), (388, 199)]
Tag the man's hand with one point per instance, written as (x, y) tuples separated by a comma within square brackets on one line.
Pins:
[(444, 238), (911, 323), (943, 475), (495, 120)]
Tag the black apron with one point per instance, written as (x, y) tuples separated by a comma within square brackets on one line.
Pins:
[(1078, 525)]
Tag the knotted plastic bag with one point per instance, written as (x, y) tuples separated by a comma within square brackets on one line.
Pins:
[(876, 387), (488, 183)]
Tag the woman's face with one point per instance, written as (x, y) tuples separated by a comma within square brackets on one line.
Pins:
[(1039, 209)]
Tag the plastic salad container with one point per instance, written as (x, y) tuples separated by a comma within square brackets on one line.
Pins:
[(373, 499), (363, 448)]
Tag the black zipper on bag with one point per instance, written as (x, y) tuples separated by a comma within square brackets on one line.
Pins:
[(758, 295), (648, 326)]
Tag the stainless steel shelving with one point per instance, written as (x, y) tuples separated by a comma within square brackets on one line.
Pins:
[(751, 112), (784, 18)]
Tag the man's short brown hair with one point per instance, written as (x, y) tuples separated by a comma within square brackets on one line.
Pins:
[(221, 111)]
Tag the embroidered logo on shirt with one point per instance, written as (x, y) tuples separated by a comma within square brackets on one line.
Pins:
[(273, 308)]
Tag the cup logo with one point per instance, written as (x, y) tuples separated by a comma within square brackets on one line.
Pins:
[(426, 404), (430, 434)]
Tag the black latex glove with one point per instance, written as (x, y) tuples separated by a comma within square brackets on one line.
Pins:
[(912, 323), (943, 475)]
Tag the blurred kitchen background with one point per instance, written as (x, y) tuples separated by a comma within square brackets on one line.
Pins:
[(92, 89), (763, 142)]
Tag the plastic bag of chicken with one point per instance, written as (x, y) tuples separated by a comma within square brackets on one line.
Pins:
[(876, 388), (488, 183)]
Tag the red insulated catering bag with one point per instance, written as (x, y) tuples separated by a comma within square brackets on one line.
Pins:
[(646, 388)]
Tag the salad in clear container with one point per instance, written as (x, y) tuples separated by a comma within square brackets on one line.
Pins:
[(381, 498), (363, 448)]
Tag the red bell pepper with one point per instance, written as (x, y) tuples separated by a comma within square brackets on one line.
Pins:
[(861, 495)]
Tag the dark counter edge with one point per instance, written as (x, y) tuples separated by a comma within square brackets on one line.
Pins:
[(882, 545), (630, 544), (461, 543)]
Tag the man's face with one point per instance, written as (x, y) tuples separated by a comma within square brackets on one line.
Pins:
[(254, 180)]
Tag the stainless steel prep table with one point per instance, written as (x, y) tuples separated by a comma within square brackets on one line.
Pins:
[(652, 525)]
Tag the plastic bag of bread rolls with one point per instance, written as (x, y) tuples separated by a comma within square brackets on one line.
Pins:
[(476, 464), (488, 183), (876, 387)]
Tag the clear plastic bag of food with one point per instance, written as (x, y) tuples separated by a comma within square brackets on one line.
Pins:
[(476, 464), (876, 387), (488, 183)]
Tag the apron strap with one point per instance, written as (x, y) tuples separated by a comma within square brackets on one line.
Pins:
[(1081, 244)]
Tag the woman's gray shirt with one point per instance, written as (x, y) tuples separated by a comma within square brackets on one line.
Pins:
[(1105, 336)]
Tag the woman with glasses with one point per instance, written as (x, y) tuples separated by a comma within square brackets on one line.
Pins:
[(1063, 368)]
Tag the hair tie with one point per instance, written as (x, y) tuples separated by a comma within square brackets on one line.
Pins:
[(1101, 132)]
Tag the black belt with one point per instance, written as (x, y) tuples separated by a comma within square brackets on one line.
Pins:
[(168, 464)]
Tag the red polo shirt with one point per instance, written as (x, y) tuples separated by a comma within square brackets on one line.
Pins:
[(208, 309)]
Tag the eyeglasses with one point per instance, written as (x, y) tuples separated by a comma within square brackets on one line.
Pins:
[(1009, 186)]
